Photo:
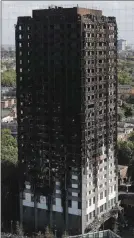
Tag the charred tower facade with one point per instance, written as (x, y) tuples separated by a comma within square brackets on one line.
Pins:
[(66, 66)]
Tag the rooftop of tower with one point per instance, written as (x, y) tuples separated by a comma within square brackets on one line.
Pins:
[(55, 10)]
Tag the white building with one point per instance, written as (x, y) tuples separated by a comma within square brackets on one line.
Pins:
[(122, 44)]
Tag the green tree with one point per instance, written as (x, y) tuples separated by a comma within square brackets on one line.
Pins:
[(128, 111), (130, 171), (9, 151), (8, 78), (120, 116), (131, 136), (9, 177), (125, 152), (130, 100), (124, 77)]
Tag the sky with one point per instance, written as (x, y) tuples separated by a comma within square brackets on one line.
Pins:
[(122, 10)]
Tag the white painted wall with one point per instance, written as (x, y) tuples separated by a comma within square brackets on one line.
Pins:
[(58, 202), (28, 204), (28, 197), (74, 194), (57, 208), (90, 209), (42, 200), (74, 205), (74, 211), (28, 186), (74, 185), (42, 206), (57, 183), (112, 195), (7, 119), (101, 202), (75, 177)]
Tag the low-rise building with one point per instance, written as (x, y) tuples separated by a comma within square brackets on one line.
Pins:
[(7, 102), (8, 114), (124, 129), (122, 44), (124, 90), (4, 90)]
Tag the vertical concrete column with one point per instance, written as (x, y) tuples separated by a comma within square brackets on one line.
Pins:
[(83, 205), (96, 199), (107, 187), (35, 214), (66, 212), (21, 208)]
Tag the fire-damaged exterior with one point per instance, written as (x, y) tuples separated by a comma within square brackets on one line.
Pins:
[(66, 65)]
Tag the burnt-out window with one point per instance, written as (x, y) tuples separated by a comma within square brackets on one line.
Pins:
[(79, 205), (69, 203)]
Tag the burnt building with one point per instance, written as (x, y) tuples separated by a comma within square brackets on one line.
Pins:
[(66, 66)]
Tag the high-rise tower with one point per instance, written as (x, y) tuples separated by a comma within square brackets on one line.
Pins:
[(66, 64)]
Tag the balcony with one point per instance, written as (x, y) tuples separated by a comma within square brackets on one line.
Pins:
[(101, 47), (101, 39)]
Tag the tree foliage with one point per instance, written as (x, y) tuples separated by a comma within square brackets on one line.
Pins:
[(125, 152), (128, 111), (124, 77), (9, 150), (130, 171), (120, 115), (9, 177), (8, 65), (131, 136), (125, 69), (7, 53), (8, 78), (130, 100)]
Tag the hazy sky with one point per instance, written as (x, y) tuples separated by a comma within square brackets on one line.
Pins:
[(122, 10)]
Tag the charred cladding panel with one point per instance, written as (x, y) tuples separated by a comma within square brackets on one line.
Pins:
[(50, 146), (56, 44), (24, 88)]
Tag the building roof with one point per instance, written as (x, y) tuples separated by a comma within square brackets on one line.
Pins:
[(121, 124), (5, 112), (125, 86), (54, 10), (121, 40), (132, 91), (121, 130)]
